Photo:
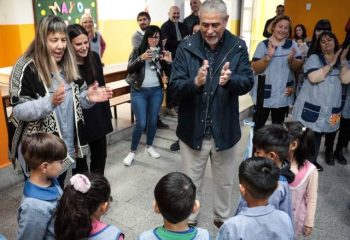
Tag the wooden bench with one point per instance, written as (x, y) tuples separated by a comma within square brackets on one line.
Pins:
[(121, 90), (5, 105)]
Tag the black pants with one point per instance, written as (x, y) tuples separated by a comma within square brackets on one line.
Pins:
[(344, 133), (278, 116), (169, 100), (329, 137), (98, 149)]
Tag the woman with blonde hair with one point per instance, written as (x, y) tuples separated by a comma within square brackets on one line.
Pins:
[(97, 43), (44, 95)]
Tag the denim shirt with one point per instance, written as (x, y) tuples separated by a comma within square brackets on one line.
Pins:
[(35, 214)]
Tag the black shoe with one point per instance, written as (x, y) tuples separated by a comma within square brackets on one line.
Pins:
[(162, 125), (329, 157), (318, 166), (218, 223), (175, 146), (338, 154)]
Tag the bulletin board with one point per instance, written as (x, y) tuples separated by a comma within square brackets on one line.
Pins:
[(69, 11)]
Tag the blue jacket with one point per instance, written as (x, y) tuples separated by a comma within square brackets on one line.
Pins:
[(35, 214), (263, 223), (223, 100)]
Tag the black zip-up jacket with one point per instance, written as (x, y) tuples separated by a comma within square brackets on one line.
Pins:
[(136, 70), (223, 100)]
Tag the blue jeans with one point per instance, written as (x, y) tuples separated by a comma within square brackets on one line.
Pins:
[(145, 104)]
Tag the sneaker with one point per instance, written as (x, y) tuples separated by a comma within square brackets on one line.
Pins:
[(129, 159), (218, 223), (171, 112), (151, 152), (318, 166), (175, 146), (162, 125)]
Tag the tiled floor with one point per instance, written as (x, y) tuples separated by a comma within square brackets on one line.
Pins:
[(132, 190)]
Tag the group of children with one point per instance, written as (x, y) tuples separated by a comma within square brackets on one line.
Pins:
[(288, 146), (278, 189)]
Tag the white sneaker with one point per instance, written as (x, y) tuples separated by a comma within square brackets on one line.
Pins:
[(151, 152), (129, 159)]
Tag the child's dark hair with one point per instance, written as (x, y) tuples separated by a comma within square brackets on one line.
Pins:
[(272, 138), (175, 195), (42, 147), (305, 138), (259, 176), (75, 208)]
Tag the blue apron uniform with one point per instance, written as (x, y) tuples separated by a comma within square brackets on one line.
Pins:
[(278, 74), (318, 105)]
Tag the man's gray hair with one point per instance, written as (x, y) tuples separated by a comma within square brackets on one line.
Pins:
[(214, 6)]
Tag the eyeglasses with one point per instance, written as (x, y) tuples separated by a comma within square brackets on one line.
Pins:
[(154, 37)]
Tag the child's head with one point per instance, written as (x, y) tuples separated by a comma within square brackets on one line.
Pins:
[(271, 141), (258, 178), (86, 197), (44, 152), (301, 140), (175, 197)]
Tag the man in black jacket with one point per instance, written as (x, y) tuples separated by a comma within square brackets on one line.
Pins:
[(173, 31), (211, 69), (193, 18), (279, 12)]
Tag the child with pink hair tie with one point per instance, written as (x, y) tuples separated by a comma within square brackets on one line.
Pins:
[(82, 205)]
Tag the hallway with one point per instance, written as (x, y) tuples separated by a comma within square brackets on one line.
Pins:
[(132, 190)]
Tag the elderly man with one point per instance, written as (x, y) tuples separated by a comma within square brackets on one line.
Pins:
[(210, 71), (173, 30), (193, 18)]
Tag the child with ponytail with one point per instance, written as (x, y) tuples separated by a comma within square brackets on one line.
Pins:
[(80, 208), (304, 187)]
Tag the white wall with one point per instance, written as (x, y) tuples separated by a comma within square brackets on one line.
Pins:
[(14, 12), (117, 10)]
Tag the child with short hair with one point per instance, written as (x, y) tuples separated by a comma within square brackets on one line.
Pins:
[(175, 200), (258, 178), (304, 187), (81, 207), (272, 142), (44, 154)]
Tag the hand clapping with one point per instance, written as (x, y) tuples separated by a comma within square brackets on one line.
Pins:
[(58, 96), (98, 94), (225, 74), (202, 74)]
